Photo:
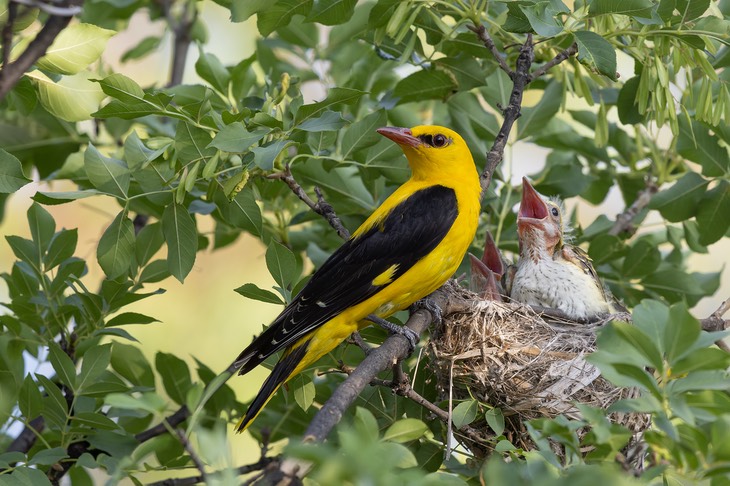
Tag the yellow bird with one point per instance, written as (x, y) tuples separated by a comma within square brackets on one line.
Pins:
[(405, 250)]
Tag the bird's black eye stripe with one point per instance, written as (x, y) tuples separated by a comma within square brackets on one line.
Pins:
[(555, 211), (437, 140)]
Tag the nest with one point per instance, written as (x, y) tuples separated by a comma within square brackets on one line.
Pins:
[(507, 356)]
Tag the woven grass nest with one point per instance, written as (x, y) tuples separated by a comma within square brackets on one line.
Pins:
[(506, 355)]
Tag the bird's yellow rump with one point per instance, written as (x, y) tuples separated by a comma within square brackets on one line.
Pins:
[(405, 250)]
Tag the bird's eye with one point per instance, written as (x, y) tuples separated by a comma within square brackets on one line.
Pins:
[(555, 211), (439, 140)]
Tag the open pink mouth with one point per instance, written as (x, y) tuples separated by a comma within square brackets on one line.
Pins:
[(401, 136), (532, 205)]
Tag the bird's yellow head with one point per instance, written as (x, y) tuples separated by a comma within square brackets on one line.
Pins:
[(433, 152), (540, 220)]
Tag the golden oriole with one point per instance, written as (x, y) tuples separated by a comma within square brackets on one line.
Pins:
[(405, 250)]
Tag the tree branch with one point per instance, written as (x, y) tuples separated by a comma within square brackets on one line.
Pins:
[(172, 422), (193, 455), (258, 466), (624, 221), (562, 56), (321, 207), (520, 80), (486, 39), (11, 73), (8, 32)]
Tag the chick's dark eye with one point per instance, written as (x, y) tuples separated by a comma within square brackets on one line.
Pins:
[(555, 212), (439, 140)]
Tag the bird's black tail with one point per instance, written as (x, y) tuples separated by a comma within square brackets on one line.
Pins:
[(279, 375)]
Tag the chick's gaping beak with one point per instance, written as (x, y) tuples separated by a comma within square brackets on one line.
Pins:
[(533, 208), (401, 136)]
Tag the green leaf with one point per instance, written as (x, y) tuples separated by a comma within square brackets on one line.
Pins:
[(328, 121), (304, 391), (266, 155), (54, 198), (331, 12), (236, 139), (643, 258), (11, 173), (107, 174), (55, 407), (136, 153), (182, 240), (149, 402), (256, 293), (72, 98), (542, 17), (282, 264), (130, 101), (130, 363), (639, 342), (280, 14), (426, 84), (126, 318), (116, 246), (243, 9), (695, 143), (626, 7), (95, 362), (42, 226), (175, 376), (362, 134), (47, 457), (149, 241), (466, 70), (62, 247), (192, 143), (535, 117), (30, 400), (156, 271), (94, 421), (62, 365), (144, 47), (712, 213), (25, 250), (681, 332), (628, 111), (596, 52), (495, 420), (211, 69), (242, 212), (335, 96), (405, 430), (75, 47), (680, 201), (366, 424), (464, 413)]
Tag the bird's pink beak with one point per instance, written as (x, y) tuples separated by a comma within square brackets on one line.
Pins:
[(492, 258), (532, 208), (401, 136)]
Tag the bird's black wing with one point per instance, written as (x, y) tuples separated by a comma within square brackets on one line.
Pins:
[(407, 234)]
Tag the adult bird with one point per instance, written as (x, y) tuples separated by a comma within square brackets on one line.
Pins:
[(406, 249), (551, 272)]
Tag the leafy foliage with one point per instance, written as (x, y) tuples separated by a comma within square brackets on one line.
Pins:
[(172, 156)]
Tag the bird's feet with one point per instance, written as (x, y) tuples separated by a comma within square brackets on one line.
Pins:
[(392, 328), (431, 306)]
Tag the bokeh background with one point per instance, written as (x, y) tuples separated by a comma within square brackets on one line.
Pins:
[(205, 317)]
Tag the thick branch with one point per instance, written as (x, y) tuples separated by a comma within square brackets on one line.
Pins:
[(11, 73), (8, 32), (27, 437), (625, 221), (394, 348)]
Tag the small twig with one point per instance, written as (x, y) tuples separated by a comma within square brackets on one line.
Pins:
[(560, 57), (8, 31), (191, 452), (321, 207), (11, 73), (258, 466), (172, 422), (520, 79), (625, 221), (357, 339), (486, 39)]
